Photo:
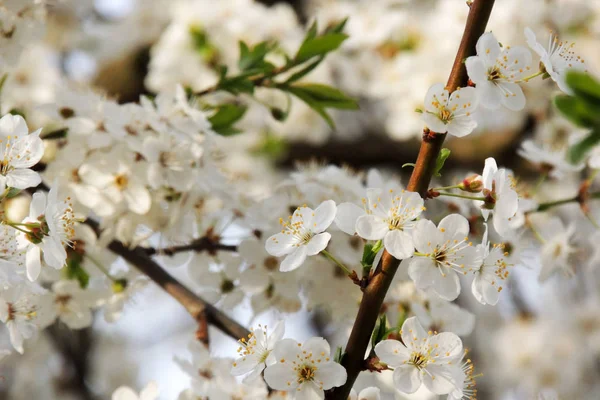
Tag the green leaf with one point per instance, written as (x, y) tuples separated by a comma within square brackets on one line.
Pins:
[(380, 331), (13, 192), (319, 46), (578, 151), (327, 96), (441, 159), (339, 27), (577, 111), (224, 118), (339, 353), (74, 270), (255, 58), (585, 87), (369, 253), (304, 71)]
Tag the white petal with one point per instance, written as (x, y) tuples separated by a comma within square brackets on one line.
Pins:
[(392, 352), (437, 93), (346, 217), (426, 236), (245, 364), (331, 374), (371, 227), (513, 97), (316, 345), (324, 215), (442, 379), (294, 259), (277, 376), (488, 48), (309, 391), (13, 125), (476, 69), (138, 198), (454, 225), (433, 123), (490, 96), (33, 263), (461, 126), (317, 244), (23, 178), (412, 332), (447, 286), (407, 378), (280, 244), (399, 244)]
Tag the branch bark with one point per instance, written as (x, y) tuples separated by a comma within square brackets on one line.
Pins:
[(374, 294), (199, 309)]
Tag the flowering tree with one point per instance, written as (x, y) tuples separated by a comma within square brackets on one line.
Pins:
[(103, 198)]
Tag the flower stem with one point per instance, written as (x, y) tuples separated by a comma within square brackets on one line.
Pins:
[(528, 78), (462, 196), (336, 262), (100, 267), (437, 189)]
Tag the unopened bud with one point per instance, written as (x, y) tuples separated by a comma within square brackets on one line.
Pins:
[(472, 184)]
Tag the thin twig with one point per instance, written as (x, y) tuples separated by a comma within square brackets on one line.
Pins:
[(374, 293)]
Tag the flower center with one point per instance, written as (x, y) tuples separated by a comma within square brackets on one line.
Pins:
[(445, 115), (121, 181), (306, 373), (419, 360)]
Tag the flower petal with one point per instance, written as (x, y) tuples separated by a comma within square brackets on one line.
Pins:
[(371, 227), (399, 244)]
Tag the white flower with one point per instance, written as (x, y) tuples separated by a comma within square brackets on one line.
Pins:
[(498, 189), (370, 393), (18, 310), (548, 159), (442, 252), (114, 178), (150, 392), (468, 391), (255, 351), (557, 249), (557, 59), (443, 316), (72, 304), (304, 369), (423, 358), (451, 113), (303, 236), (495, 72), (491, 274), (389, 216), (21, 151), (51, 228)]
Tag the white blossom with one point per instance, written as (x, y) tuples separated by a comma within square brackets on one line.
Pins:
[(557, 58), (496, 71), (450, 113), (304, 369), (390, 216), (304, 235), (421, 357), (21, 151), (255, 351), (442, 253)]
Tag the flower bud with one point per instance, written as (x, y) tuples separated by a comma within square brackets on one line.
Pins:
[(472, 184)]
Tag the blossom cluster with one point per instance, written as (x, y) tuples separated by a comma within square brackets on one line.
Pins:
[(83, 174)]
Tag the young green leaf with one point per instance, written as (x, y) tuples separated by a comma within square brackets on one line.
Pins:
[(74, 270), (319, 46), (578, 111), (380, 332), (226, 115), (585, 87), (579, 150), (439, 163)]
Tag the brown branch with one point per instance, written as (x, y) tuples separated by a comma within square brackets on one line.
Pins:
[(195, 305), (374, 294), (199, 245)]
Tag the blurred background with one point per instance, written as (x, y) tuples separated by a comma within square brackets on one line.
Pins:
[(397, 48)]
